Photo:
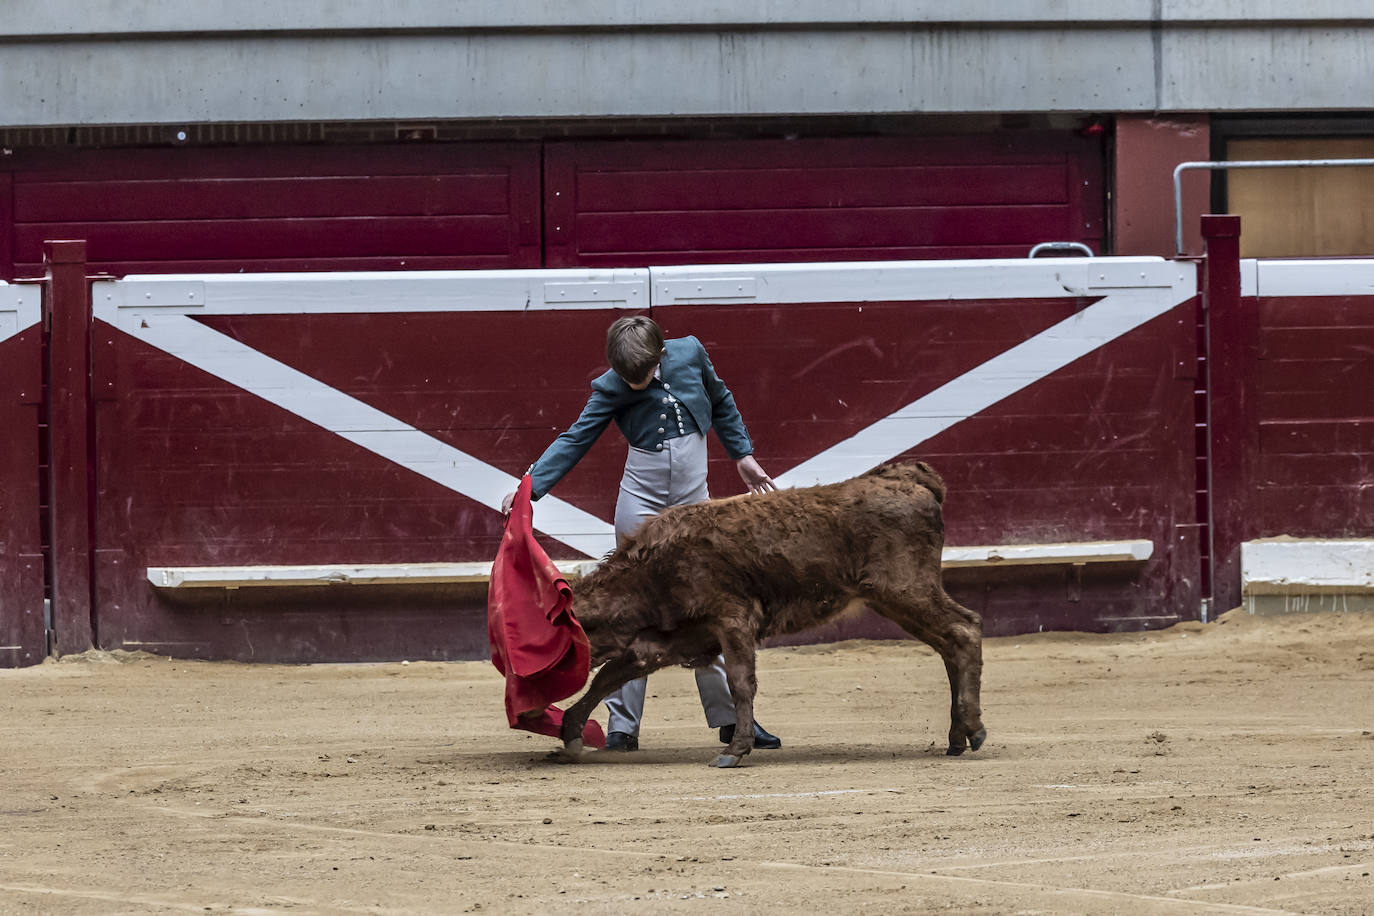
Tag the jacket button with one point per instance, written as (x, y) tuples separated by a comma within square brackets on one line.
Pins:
[(666, 386), (663, 416), (665, 400), (660, 446), (660, 429)]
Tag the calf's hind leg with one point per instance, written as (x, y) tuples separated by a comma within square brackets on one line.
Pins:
[(957, 634), (738, 649)]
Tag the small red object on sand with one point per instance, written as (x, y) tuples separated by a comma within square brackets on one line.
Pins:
[(536, 642)]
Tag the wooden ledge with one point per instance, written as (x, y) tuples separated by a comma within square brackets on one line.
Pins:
[(335, 574), (1307, 566), (1074, 553), (448, 573)]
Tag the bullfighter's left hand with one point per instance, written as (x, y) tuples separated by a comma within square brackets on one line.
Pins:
[(754, 477)]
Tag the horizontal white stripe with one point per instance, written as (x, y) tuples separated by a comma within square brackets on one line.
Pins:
[(521, 290), (896, 281), (1044, 554), (820, 794), (337, 574), (378, 292), (1330, 277)]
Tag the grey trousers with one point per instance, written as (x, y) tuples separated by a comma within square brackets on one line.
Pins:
[(654, 481)]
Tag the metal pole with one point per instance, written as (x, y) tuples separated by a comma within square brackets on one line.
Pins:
[(1243, 164)]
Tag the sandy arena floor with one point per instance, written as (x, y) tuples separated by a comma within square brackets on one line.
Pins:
[(1226, 768)]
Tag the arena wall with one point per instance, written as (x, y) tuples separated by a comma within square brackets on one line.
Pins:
[(22, 625)]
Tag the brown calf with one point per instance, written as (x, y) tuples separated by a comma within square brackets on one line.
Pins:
[(717, 577)]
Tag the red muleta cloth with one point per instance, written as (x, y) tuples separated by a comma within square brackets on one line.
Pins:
[(536, 642)]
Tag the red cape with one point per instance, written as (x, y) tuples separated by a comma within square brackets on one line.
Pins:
[(536, 642)]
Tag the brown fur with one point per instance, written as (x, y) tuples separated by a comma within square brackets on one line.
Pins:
[(719, 576)]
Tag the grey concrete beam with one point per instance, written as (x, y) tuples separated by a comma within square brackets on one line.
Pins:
[(44, 18), (1312, 69), (172, 62), (545, 75)]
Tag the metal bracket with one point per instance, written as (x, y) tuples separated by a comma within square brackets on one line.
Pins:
[(585, 292), (711, 288), (155, 294)]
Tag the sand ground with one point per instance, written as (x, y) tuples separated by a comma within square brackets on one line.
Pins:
[(1220, 768)]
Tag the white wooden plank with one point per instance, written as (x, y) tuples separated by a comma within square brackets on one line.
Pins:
[(425, 573), (377, 291), (1327, 277), (904, 281), (339, 574), (1044, 554), (1292, 566)]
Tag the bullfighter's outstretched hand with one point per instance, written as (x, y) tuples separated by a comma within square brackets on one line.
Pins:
[(754, 477)]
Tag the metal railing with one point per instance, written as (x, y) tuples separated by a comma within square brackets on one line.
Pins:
[(1243, 164)]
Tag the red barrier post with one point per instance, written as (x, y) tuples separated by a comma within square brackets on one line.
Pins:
[(1232, 433), (67, 317)]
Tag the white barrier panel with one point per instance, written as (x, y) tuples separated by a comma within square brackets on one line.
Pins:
[(19, 307), (1328, 277), (1296, 566)]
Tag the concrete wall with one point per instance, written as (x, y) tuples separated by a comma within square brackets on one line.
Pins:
[(80, 62)]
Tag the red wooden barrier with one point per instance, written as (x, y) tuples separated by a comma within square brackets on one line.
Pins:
[(21, 560), (1294, 352), (1098, 450), (195, 470), (1231, 339), (68, 315), (361, 420)]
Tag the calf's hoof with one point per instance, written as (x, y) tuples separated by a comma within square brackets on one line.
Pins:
[(726, 761), (571, 751), (975, 741)]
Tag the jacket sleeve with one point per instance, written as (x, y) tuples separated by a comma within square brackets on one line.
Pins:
[(725, 417), (568, 449)]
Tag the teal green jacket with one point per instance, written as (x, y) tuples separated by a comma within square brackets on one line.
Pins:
[(687, 380)]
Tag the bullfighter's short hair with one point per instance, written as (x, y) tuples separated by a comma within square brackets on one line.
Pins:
[(634, 345)]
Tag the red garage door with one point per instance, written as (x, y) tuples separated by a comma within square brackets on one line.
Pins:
[(275, 208), (21, 561), (629, 203)]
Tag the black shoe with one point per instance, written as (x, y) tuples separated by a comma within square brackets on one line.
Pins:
[(619, 741), (762, 740)]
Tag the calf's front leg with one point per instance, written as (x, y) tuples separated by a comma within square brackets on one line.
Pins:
[(612, 675)]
